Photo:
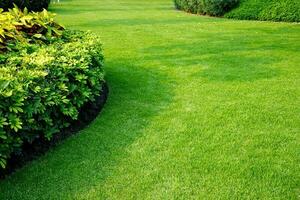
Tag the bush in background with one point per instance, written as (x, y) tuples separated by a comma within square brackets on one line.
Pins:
[(45, 78), (206, 7), (273, 10), (32, 5)]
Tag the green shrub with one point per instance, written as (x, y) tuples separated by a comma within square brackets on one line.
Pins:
[(32, 5), (44, 83), (206, 7), (273, 10)]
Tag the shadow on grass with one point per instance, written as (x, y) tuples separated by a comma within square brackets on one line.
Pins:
[(85, 160)]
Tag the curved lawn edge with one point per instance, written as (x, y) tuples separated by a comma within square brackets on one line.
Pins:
[(30, 151)]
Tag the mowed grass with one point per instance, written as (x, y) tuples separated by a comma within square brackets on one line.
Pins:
[(199, 108)]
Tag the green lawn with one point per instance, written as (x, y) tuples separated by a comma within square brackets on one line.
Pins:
[(199, 108)]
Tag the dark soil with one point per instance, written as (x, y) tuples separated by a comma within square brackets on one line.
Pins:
[(40, 146)]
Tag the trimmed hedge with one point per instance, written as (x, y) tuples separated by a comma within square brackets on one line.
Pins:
[(32, 5), (206, 7), (44, 82), (272, 10)]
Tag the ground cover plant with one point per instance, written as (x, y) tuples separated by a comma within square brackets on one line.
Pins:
[(46, 75), (273, 10), (199, 108)]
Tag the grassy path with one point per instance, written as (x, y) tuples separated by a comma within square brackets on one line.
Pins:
[(200, 108)]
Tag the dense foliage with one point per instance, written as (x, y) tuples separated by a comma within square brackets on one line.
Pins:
[(32, 5), (45, 78), (24, 26), (274, 10), (206, 7)]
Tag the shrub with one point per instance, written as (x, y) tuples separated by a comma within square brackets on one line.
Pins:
[(43, 84), (218, 7), (273, 10), (206, 7), (32, 5)]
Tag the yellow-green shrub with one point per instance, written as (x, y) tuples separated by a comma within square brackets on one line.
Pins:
[(43, 85)]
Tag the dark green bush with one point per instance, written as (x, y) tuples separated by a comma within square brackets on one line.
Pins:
[(43, 85), (32, 5), (273, 10), (206, 7)]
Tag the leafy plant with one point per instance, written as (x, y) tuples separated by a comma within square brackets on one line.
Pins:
[(23, 26), (7, 29)]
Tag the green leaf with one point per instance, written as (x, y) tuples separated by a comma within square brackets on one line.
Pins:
[(4, 85), (7, 93)]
